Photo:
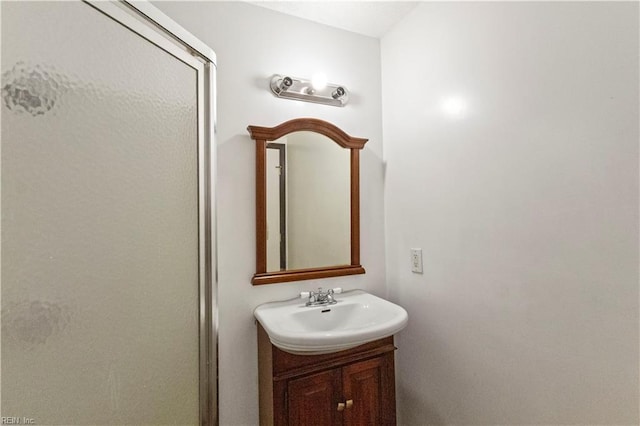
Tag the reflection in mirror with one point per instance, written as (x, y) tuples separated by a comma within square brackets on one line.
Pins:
[(308, 200), (276, 207)]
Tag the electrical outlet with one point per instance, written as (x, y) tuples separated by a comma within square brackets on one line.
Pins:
[(416, 260)]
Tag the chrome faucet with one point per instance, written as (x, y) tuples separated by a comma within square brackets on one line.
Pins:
[(321, 298)]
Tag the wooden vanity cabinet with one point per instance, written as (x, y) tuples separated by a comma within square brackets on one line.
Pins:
[(351, 388)]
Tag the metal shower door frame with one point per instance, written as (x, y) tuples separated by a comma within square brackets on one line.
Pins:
[(151, 24)]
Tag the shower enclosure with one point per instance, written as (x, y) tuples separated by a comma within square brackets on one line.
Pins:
[(107, 220)]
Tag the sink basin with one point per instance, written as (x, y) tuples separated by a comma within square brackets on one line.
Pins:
[(357, 318)]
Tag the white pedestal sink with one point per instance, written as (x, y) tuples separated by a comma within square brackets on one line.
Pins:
[(357, 318)]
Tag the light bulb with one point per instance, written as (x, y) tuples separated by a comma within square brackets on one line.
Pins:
[(319, 81)]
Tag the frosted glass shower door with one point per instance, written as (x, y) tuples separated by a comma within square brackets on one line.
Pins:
[(101, 220)]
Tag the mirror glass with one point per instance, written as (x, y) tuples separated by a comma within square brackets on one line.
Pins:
[(308, 202)]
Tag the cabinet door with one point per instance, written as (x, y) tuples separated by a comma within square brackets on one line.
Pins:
[(370, 385), (313, 400)]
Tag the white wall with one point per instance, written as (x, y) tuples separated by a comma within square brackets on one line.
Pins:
[(526, 208), (252, 44)]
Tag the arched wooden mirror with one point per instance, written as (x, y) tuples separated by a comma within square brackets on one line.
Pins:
[(307, 201)]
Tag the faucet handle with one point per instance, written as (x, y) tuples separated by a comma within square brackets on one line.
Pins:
[(330, 298)]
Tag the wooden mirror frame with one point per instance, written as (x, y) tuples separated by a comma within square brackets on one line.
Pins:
[(262, 135)]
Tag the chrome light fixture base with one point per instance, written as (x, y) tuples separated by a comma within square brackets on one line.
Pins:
[(302, 90)]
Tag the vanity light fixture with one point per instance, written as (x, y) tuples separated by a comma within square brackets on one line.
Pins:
[(304, 90)]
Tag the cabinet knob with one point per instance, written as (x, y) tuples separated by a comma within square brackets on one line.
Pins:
[(349, 403), (340, 406)]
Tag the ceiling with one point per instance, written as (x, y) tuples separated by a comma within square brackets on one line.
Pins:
[(370, 18)]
